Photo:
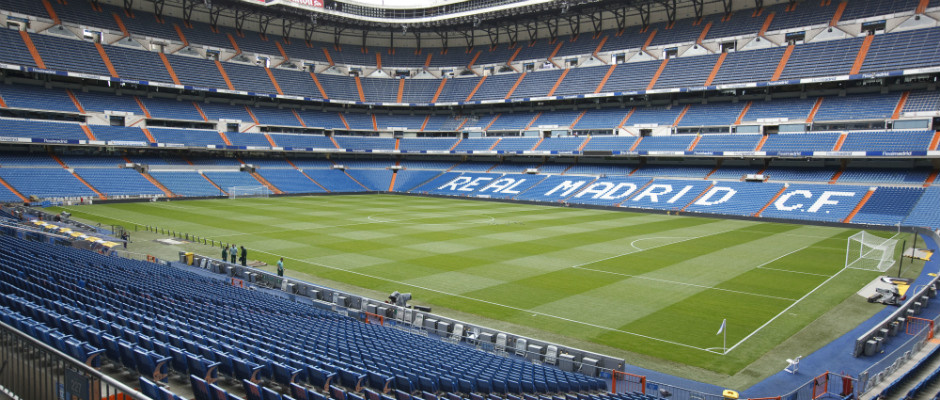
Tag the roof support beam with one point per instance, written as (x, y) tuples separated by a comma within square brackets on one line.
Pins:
[(699, 6), (728, 4), (158, 8), (644, 9), (188, 6), (670, 6), (214, 13), (552, 29)]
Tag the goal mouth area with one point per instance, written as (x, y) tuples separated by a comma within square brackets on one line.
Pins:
[(869, 252), (235, 192)]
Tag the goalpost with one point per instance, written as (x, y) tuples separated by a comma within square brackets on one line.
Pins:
[(235, 192), (869, 252)]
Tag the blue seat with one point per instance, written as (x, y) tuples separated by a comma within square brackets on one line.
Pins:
[(252, 390), (466, 386), (217, 393), (268, 394), (178, 360), (226, 364), (298, 392), (427, 384), (320, 378), (244, 369), (152, 365), (283, 374), (402, 395), (337, 393), (128, 359), (499, 386), (148, 388), (484, 385), (350, 379), (84, 352), (203, 368), (448, 383), (200, 388), (379, 382), (403, 383)]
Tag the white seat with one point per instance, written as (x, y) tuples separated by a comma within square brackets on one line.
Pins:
[(794, 365)]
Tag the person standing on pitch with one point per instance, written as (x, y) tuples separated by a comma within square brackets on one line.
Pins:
[(224, 253), (233, 252), (280, 267), (244, 256)]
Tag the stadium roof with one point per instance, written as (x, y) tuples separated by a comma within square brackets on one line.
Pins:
[(458, 18)]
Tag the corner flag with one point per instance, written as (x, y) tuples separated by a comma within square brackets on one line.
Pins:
[(722, 329)]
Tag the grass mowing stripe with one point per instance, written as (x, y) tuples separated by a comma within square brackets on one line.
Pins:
[(528, 251), (686, 284)]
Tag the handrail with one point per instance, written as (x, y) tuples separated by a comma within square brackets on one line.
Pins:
[(85, 370)]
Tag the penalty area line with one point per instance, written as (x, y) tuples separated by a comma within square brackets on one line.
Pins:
[(785, 309)]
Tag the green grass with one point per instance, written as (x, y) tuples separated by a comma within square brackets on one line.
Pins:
[(648, 287)]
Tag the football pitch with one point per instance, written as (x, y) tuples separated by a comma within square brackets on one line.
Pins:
[(651, 288)]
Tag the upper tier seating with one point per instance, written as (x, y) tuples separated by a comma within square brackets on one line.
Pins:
[(666, 143), (418, 144), (32, 97), (41, 129), (829, 58), (856, 107), (888, 141), (896, 50), (922, 101), (715, 143), (606, 118), (791, 109), (801, 142)]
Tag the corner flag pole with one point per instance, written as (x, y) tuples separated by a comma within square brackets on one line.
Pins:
[(724, 340)]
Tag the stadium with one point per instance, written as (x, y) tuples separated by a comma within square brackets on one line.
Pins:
[(469, 199)]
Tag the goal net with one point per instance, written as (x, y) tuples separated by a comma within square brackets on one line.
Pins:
[(235, 192), (870, 252)]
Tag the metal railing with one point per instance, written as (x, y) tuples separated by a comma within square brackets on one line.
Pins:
[(893, 362), (920, 296), (30, 369)]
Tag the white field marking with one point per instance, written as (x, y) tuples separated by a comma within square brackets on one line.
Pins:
[(633, 243), (637, 251), (376, 219), (685, 284), (791, 234), (288, 229), (784, 311), (607, 328), (791, 271)]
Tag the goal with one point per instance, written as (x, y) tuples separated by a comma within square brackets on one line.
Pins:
[(248, 191), (870, 252)]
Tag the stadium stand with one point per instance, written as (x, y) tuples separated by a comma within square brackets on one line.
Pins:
[(846, 148)]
